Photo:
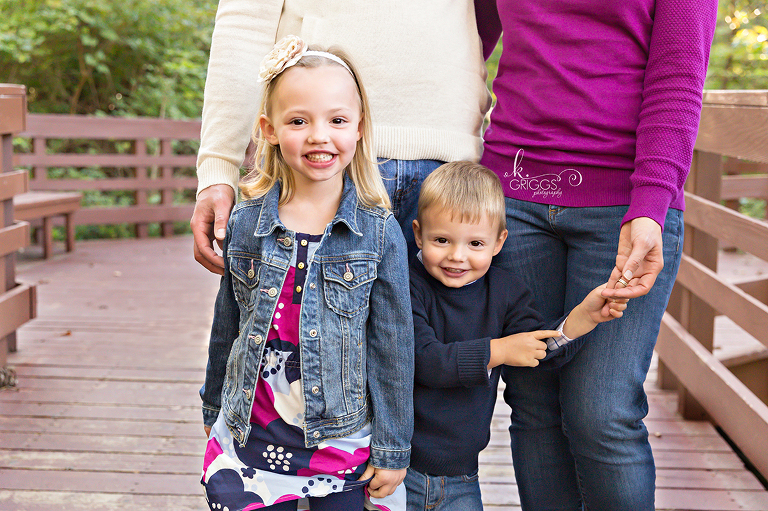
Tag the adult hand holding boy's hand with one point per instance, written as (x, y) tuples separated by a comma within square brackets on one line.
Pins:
[(384, 481), (523, 350)]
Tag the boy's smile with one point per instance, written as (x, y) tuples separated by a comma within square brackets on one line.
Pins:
[(455, 252)]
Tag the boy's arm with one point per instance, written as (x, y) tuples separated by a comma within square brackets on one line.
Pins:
[(524, 317), (440, 365), (588, 314)]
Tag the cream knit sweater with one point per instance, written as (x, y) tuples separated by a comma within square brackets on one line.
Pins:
[(420, 60)]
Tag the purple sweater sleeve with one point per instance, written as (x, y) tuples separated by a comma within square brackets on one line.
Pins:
[(671, 107), (488, 25)]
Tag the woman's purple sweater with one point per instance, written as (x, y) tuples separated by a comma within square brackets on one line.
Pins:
[(598, 100)]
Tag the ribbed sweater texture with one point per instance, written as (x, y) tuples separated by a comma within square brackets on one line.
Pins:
[(598, 100)]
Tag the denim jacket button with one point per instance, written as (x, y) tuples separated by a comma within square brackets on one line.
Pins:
[(316, 434), (257, 339), (312, 286), (315, 389), (348, 276), (287, 241), (272, 292), (313, 333)]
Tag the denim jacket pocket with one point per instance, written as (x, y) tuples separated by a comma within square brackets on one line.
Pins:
[(245, 271), (348, 285)]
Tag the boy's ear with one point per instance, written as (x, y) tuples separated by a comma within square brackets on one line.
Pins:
[(500, 242), (268, 130), (417, 233)]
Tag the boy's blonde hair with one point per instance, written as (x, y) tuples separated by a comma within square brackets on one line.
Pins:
[(466, 191), (270, 166)]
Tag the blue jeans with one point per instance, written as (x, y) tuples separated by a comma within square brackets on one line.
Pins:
[(577, 434), (352, 500), (442, 493), (402, 179)]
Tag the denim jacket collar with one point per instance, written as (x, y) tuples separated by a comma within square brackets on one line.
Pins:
[(346, 213)]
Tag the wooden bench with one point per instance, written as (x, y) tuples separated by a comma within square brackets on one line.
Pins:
[(33, 206)]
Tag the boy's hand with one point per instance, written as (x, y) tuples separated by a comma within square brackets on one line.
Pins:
[(601, 309), (594, 309), (522, 350), (384, 481)]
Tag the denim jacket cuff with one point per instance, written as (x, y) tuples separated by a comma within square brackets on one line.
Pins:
[(209, 415), (389, 459)]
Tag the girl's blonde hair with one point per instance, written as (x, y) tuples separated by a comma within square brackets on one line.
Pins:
[(270, 167), (466, 191)]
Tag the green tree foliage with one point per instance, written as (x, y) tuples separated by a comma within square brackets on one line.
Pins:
[(134, 57), (739, 58)]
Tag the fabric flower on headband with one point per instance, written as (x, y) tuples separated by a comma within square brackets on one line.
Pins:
[(287, 52)]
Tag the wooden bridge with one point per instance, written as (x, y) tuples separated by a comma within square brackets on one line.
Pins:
[(105, 414)]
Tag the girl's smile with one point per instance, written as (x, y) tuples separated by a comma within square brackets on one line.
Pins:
[(315, 118)]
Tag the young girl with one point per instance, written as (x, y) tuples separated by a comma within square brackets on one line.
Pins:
[(309, 382)]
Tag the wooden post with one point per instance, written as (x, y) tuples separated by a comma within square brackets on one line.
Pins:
[(696, 316), (142, 229), (16, 302), (166, 149)]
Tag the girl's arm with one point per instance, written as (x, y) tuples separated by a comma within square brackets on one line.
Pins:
[(224, 331), (244, 33), (390, 354)]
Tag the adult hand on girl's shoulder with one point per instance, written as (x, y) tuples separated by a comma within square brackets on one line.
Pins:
[(207, 431), (209, 222), (384, 481), (639, 259)]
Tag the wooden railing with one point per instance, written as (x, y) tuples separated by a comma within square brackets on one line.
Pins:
[(17, 301), (139, 156), (732, 393)]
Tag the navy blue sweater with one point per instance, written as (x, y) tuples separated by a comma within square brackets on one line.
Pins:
[(454, 395)]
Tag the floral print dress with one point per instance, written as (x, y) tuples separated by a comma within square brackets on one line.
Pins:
[(275, 465)]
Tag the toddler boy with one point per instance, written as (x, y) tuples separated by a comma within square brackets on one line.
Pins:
[(469, 319)]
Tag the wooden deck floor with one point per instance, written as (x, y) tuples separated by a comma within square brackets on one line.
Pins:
[(106, 413)]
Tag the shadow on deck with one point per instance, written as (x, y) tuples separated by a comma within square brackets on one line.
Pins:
[(106, 414)]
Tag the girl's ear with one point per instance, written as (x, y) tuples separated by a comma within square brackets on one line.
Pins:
[(360, 126), (268, 130)]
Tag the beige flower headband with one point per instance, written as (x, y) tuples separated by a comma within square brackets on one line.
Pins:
[(287, 52)]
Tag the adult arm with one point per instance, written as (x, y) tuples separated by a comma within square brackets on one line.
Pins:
[(244, 32), (668, 123), (488, 25), (389, 362)]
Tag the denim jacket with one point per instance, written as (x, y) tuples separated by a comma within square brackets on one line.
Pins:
[(355, 328)]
